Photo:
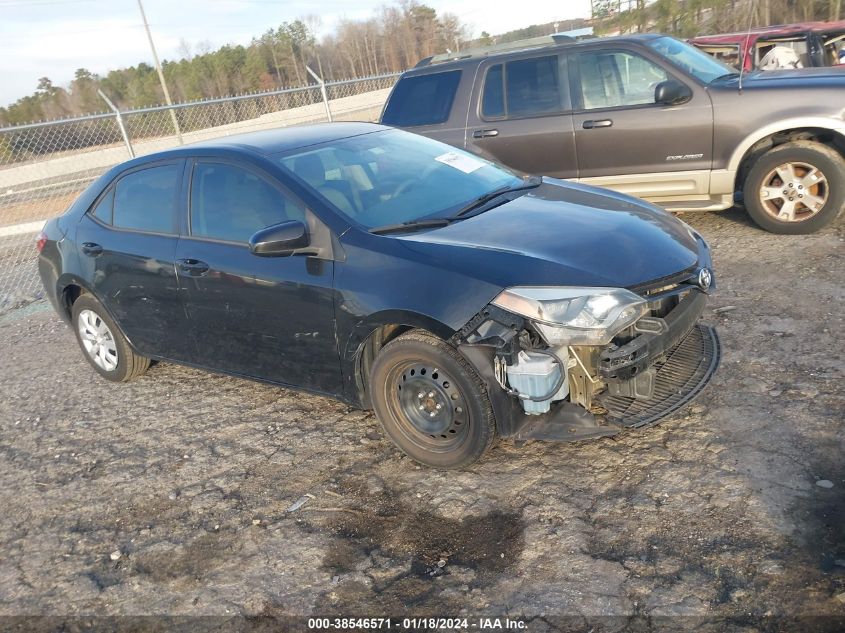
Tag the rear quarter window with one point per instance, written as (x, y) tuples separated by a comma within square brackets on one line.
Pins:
[(422, 99)]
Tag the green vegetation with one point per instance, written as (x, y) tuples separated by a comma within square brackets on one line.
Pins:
[(687, 18), (394, 39)]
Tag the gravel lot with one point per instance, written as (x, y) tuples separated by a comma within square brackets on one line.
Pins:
[(172, 495)]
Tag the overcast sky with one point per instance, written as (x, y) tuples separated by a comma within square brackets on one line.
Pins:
[(53, 38)]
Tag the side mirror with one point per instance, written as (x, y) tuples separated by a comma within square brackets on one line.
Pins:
[(671, 92), (279, 239)]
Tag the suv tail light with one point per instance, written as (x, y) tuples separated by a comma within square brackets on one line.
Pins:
[(41, 241)]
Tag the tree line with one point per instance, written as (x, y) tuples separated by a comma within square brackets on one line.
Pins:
[(394, 39), (688, 18)]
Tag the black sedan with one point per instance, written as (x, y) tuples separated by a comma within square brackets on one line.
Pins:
[(457, 299)]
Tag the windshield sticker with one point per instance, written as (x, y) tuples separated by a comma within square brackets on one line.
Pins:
[(466, 164)]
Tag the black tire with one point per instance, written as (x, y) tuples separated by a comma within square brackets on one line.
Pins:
[(431, 372), (801, 153), (127, 364)]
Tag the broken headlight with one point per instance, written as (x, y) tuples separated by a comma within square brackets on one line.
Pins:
[(574, 316)]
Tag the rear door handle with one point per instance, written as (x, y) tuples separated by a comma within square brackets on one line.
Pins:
[(485, 133), (193, 267), (91, 249), (589, 125)]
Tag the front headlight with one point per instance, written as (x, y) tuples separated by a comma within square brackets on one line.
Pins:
[(574, 316)]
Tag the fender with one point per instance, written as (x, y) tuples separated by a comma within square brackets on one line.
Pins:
[(69, 279), (724, 180), (361, 331)]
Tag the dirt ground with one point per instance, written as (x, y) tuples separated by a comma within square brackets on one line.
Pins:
[(175, 494)]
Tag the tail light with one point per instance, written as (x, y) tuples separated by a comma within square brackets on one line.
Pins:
[(41, 241)]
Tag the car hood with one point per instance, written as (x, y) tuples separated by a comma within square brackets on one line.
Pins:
[(564, 234), (826, 77)]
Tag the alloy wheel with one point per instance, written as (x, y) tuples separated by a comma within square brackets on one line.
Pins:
[(794, 192)]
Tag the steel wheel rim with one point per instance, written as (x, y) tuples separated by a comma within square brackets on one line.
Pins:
[(794, 192), (97, 340), (414, 391)]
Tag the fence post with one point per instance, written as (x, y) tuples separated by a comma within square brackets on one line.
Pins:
[(119, 123), (323, 91)]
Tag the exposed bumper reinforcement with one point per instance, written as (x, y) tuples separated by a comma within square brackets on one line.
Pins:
[(688, 367)]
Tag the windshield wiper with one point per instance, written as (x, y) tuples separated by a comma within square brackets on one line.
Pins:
[(528, 183), (433, 223), (414, 225)]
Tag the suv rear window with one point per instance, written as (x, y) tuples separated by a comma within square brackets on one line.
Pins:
[(422, 100)]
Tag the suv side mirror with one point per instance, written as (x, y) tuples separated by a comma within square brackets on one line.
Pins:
[(672, 92), (279, 239)]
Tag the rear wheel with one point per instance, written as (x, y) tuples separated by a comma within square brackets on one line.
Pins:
[(796, 188), (431, 402), (103, 344)]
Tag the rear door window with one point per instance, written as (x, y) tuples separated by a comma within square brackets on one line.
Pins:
[(422, 99), (523, 87), (493, 101), (146, 200), (533, 86)]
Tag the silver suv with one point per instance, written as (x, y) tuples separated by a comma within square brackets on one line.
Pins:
[(646, 115)]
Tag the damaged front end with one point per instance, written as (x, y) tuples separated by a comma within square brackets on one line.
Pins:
[(567, 364)]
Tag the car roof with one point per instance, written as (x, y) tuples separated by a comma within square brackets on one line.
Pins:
[(288, 138), (264, 142), (471, 60)]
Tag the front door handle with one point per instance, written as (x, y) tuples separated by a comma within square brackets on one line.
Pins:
[(91, 249), (193, 267), (485, 133), (589, 125)]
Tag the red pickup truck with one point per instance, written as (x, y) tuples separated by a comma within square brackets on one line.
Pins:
[(813, 44)]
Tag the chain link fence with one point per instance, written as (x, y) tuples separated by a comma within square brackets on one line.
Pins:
[(44, 166)]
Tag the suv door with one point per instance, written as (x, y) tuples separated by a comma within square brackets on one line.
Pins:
[(628, 142), (267, 317), (521, 115), (127, 244)]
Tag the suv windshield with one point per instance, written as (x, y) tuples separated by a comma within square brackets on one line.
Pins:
[(691, 59), (393, 177)]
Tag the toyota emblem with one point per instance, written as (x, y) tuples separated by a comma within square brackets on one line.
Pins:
[(705, 278)]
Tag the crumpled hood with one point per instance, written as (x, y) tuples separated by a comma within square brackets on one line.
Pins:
[(563, 234)]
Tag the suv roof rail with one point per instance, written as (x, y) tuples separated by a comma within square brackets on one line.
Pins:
[(480, 51)]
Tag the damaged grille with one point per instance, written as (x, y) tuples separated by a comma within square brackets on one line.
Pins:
[(685, 371)]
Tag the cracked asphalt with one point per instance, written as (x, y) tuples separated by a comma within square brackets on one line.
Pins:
[(175, 494)]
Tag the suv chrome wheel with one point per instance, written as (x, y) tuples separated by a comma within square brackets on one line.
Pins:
[(794, 192), (98, 340)]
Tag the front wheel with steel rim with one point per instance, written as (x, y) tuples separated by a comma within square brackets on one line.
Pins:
[(796, 188), (102, 342), (431, 402)]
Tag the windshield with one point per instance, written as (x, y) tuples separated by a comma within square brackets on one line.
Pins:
[(693, 60), (392, 177)]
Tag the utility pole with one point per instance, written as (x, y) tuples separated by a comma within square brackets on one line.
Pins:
[(161, 75)]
